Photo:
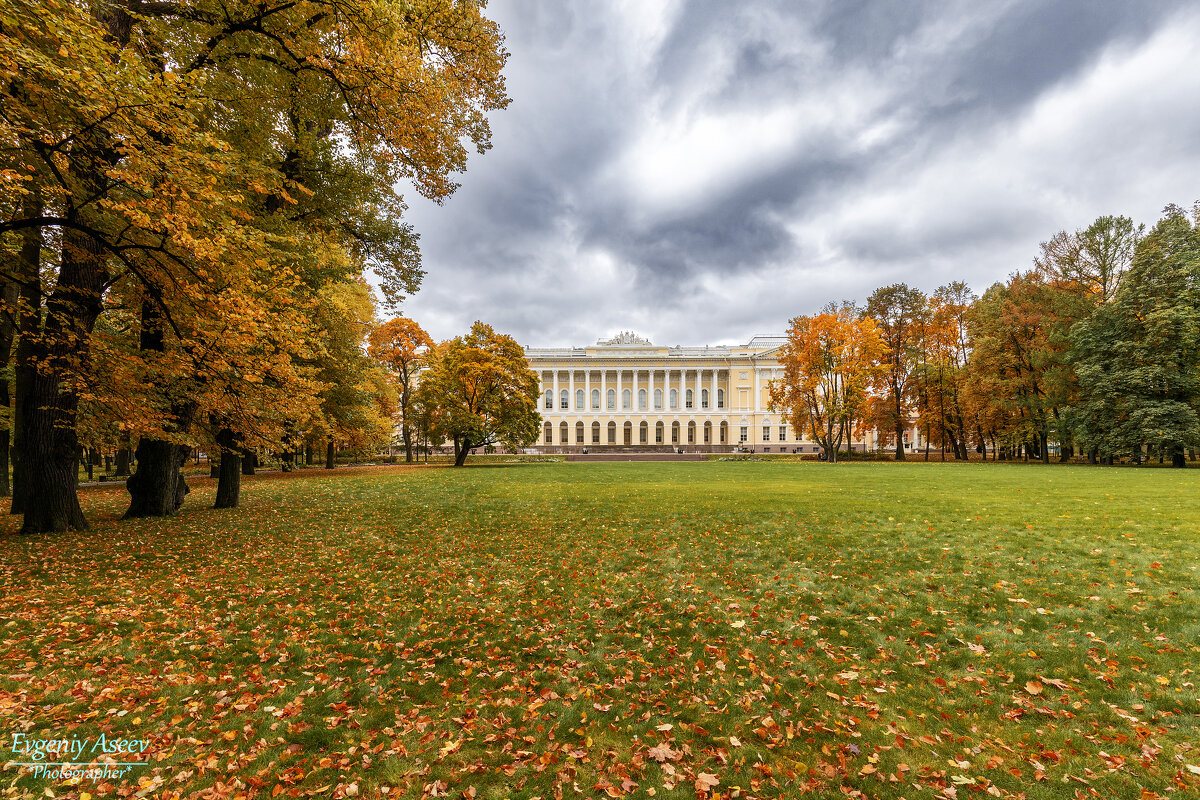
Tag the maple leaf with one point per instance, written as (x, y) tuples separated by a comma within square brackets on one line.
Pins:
[(705, 782), (663, 752)]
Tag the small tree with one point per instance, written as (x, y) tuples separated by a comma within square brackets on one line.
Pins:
[(478, 390), (400, 345), (829, 361)]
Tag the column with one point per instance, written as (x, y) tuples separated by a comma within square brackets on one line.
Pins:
[(604, 391), (681, 396), (633, 403), (712, 392), (618, 400), (587, 392), (754, 399), (555, 404), (571, 388), (696, 391), (650, 389)]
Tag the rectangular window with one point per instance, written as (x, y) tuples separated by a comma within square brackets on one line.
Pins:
[(658, 435), (766, 433), (578, 434), (612, 434), (674, 434), (783, 433), (596, 435), (691, 434), (745, 434)]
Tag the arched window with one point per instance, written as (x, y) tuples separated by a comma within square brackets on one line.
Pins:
[(658, 399), (643, 433), (549, 398), (708, 433), (612, 398), (578, 433), (596, 399), (548, 434), (674, 433), (626, 398), (641, 399), (658, 433), (691, 433), (720, 398), (612, 431), (628, 433), (687, 400), (674, 399), (563, 430), (704, 398), (724, 431), (579, 398), (564, 399), (595, 433)]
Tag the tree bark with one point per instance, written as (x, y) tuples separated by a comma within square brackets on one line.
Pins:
[(8, 327), (330, 463), (308, 454), (49, 446), (229, 483), (122, 462), (157, 488), (249, 461)]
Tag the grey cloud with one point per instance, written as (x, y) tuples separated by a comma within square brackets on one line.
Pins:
[(548, 220)]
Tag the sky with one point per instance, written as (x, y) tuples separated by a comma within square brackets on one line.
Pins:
[(702, 172)]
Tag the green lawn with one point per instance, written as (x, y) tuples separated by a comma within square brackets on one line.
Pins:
[(733, 629)]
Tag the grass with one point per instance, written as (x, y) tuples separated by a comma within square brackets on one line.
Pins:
[(729, 629)]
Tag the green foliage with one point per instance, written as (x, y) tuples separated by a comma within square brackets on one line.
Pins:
[(478, 390), (1138, 357)]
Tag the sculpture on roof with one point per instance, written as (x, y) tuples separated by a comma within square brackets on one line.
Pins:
[(625, 337)]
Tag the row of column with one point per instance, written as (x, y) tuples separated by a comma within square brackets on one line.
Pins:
[(697, 385)]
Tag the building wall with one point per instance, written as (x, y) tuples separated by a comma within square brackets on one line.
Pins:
[(620, 391)]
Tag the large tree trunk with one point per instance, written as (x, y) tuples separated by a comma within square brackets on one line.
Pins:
[(249, 461), (157, 488), (8, 327), (1178, 457), (308, 454), (330, 452), (229, 483), (49, 447), (460, 452)]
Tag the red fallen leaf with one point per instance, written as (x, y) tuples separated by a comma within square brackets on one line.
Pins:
[(662, 752)]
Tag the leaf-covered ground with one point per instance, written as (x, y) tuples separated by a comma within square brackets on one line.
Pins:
[(585, 630)]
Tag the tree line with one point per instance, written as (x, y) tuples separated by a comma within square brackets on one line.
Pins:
[(191, 192), (1093, 352)]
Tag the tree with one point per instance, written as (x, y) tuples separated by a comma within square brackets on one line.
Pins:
[(478, 390), (1138, 357), (400, 344), (198, 152), (829, 362), (1094, 258), (943, 377), (899, 312)]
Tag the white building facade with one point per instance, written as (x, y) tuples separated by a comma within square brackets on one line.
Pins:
[(627, 394)]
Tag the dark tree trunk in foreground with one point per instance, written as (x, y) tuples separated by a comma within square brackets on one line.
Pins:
[(330, 463), (308, 454), (249, 461), (157, 488), (49, 447), (229, 485)]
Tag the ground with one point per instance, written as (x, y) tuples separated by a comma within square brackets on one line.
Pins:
[(736, 629)]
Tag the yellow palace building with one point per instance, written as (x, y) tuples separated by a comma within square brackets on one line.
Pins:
[(628, 394)]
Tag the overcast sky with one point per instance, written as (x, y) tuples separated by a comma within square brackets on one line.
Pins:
[(701, 172)]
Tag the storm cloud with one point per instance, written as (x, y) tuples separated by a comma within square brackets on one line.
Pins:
[(701, 172)]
